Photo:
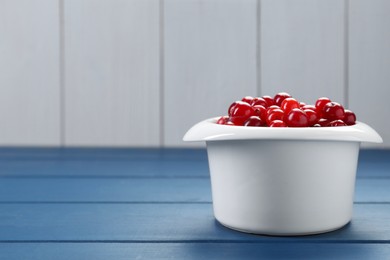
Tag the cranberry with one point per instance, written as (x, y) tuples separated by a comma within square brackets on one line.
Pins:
[(333, 111), (320, 103), (297, 118), (223, 120), (254, 121), (278, 99), (302, 104), (260, 111), (312, 116), (242, 109), (349, 117), (275, 114), (269, 100), (237, 120), (309, 107), (247, 99), (288, 104), (323, 122), (259, 101), (337, 123), (271, 108), (277, 123), (231, 107)]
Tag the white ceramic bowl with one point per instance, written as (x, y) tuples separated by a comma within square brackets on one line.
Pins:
[(282, 181)]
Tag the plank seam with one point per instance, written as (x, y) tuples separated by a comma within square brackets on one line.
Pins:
[(162, 71), (62, 70), (153, 202), (270, 240)]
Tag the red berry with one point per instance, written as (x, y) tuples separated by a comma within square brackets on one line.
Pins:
[(229, 123), (349, 117), (312, 116), (288, 104), (259, 101), (277, 123), (297, 118), (337, 123), (242, 109), (269, 100), (231, 107), (320, 103), (271, 108), (278, 99), (276, 114), (309, 107), (247, 99), (302, 104), (222, 120), (254, 121), (333, 111), (237, 120), (260, 111), (323, 122)]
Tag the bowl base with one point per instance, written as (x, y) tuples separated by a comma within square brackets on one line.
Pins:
[(282, 234)]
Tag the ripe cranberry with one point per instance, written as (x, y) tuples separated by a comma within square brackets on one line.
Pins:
[(247, 99), (231, 107), (297, 118), (323, 122), (254, 121), (259, 101), (222, 120), (242, 109), (271, 108), (333, 111), (237, 120), (349, 117), (269, 100), (260, 111), (288, 104), (309, 107), (302, 104), (277, 123), (278, 99), (320, 103), (337, 123), (312, 116), (276, 114)]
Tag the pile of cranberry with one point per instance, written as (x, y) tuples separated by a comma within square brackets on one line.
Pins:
[(285, 111)]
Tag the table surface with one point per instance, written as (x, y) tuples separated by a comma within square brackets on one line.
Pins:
[(156, 204)]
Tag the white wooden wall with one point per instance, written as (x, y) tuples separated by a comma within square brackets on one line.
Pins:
[(141, 72)]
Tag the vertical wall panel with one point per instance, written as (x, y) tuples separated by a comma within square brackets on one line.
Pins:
[(210, 60), (112, 72), (369, 58), (302, 48), (29, 72)]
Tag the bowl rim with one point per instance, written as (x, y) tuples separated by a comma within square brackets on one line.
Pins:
[(209, 130)]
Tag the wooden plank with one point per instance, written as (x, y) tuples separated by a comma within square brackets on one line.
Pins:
[(107, 169), (294, 251), (112, 73), (124, 163), (12, 153), (29, 73), (161, 222), (210, 61), (149, 190), (302, 48), (106, 190), (369, 64)]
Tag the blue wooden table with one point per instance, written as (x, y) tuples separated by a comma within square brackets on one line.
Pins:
[(156, 204)]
